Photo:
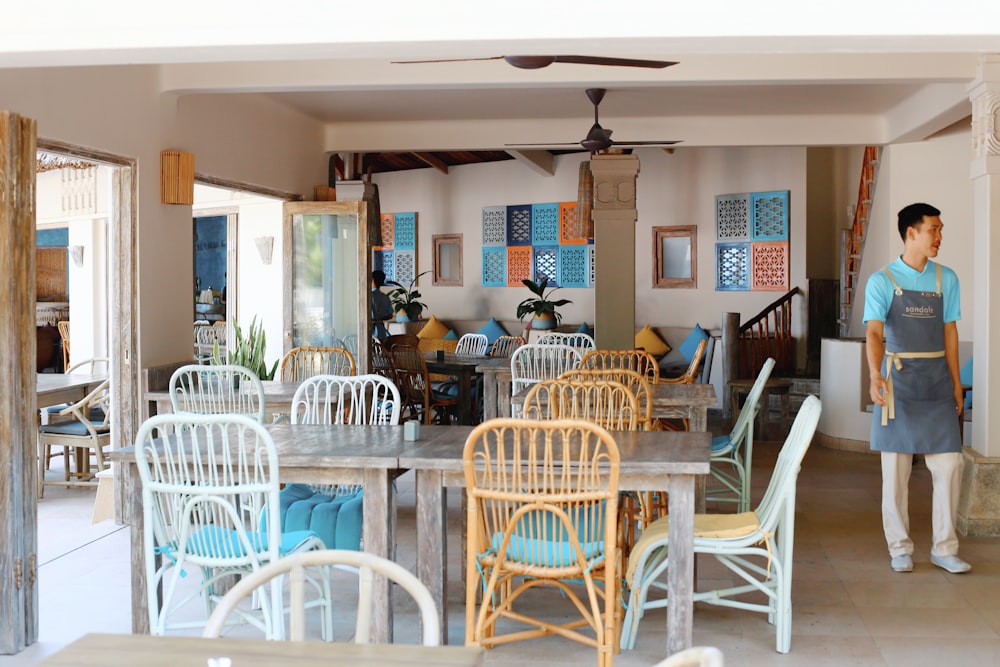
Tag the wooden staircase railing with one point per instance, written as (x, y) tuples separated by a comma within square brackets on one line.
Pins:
[(853, 239), (768, 334)]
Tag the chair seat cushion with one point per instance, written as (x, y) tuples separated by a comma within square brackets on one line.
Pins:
[(720, 443), (219, 542), (533, 551), (337, 521), (74, 427)]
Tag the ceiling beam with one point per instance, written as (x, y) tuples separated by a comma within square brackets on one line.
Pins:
[(541, 161), (431, 161)]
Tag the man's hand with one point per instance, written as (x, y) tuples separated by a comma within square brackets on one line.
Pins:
[(959, 400), (878, 389)]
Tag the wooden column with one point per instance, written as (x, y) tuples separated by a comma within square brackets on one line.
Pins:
[(614, 217), (19, 481)]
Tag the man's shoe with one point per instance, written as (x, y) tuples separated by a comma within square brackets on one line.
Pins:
[(903, 563), (953, 564)]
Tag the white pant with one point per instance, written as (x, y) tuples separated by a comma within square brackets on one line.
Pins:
[(946, 478)]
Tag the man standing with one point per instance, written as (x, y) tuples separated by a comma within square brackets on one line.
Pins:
[(911, 314), (380, 304)]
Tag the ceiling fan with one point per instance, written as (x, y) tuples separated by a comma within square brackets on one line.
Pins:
[(538, 62), (598, 138)]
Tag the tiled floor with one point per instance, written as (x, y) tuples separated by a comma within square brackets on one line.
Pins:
[(849, 608)]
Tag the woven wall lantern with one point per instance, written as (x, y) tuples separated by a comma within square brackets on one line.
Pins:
[(176, 177)]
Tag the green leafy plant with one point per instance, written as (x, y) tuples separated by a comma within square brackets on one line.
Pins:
[(405, 298), (542, 302), (249, 351)]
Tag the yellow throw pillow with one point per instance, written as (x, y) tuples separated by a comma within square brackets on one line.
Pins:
[(434, 328), (649, 340)]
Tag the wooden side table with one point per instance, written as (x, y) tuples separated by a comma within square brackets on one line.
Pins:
[(740, 388)]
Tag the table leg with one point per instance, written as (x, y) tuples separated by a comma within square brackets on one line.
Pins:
[(680, 574), (465, 398), (432, 541), (140, 601), (379, 537), (503, 395), (489, 396)]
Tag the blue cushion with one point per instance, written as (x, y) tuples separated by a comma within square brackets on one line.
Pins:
[(337, 521), (965, 377), (720, 443), (690, 344), (586, 329), (493, 330), (451, 335), (218, 542)]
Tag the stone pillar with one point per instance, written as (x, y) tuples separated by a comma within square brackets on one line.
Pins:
[(614, 217), (979, 506)]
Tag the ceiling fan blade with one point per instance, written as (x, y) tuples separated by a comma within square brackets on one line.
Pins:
[(614, 62), (549, 143), (622, 144), (446, 60)]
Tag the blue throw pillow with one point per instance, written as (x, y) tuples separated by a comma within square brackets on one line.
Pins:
[(690, 344), (451, 335), (586, 329), (965, 377), (493, 330)]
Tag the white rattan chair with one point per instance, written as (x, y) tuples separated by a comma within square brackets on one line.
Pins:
[(732, 454), (473, 343), (368, 566), (222, 389), (533, 363), (756, 546), (200, 475), (581, 341)]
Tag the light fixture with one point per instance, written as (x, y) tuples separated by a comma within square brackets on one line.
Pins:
[(176, 177), (265, 245), (76, 254)]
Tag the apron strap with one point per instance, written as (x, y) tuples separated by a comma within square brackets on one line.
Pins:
[(896, 359), (898, 289)]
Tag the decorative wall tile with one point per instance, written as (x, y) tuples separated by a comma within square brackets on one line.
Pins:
[(732, 217), (544, 224), (384, 260), (546, 264), (572, 230), (406, 265), (769, 266), (769, 213), (494, 266), (519, 225), (732, 261), (519, 265), (574, 269), (388, 222), (592, 263), (494, 225), (405, 232)]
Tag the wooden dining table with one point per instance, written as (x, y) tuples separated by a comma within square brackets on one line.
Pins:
[(277, 399), (107, 650), (56, 388), (375, 455)]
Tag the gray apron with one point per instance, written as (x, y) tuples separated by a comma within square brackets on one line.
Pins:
[(919, 416)]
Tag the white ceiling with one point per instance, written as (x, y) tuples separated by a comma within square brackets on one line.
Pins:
[(865, 75)]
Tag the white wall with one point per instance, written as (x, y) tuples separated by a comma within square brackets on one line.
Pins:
[(677, 189), (120, 110), (936, 172)]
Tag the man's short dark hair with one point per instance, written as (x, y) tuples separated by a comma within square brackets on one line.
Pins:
[(912, 215), (378, 276)]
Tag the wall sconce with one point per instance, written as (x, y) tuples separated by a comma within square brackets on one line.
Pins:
[(76, 254), (176, 177), (265, 245)]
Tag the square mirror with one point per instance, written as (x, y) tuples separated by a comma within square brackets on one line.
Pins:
[(675, 256), (447, 259)]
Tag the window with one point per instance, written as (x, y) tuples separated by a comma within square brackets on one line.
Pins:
[(675, 256), (447, 259)]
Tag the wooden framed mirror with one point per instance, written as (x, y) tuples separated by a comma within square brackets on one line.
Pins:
[(447, 259), (675, 256)]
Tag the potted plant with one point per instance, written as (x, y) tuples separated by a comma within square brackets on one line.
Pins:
[(248, 352), (541, 305), (404, 300)]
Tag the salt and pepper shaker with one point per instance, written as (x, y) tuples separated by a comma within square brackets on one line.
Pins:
[(411, 430), (440, 355)]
